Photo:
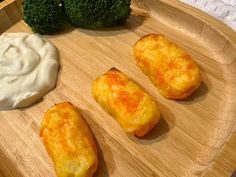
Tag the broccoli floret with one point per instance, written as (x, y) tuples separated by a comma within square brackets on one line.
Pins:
[(44, 16), (97, 13)]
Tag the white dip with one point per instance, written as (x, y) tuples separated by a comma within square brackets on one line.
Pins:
[(28, 69)]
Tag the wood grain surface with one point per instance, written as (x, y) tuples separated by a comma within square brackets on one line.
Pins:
[(10, 13), (195, 137)]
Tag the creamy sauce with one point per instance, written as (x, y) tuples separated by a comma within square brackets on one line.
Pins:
[(28, 69)]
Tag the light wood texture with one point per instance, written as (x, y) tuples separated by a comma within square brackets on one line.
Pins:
[(10, 13), (195, 137)]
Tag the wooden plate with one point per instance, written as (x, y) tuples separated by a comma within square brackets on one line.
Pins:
[(195, 137)]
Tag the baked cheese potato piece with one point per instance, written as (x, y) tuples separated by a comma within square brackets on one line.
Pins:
[(126, 101), (69, 141), (169, 67)]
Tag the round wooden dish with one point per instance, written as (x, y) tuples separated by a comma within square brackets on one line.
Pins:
[(195, 137)]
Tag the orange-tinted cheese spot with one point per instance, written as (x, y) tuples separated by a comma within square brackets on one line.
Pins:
[(160, 79), (172, 65), (129, 101), (146, 64), (114, 79), (190, 66)]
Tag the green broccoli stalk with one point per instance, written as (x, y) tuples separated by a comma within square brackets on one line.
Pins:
[(97, 13), (44, 16)]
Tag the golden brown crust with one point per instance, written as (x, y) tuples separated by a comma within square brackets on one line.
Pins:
[(126, 101), (69, 141), (169, 67)]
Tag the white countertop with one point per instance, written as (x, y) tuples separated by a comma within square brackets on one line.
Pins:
[(224, 10)]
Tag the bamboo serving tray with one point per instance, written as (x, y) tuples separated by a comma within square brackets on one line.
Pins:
[(195, 137)]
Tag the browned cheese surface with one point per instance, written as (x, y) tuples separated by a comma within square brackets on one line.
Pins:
[(170, 68), (69, 141)]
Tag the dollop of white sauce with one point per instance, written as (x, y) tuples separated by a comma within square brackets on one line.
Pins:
[(28, 69)]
